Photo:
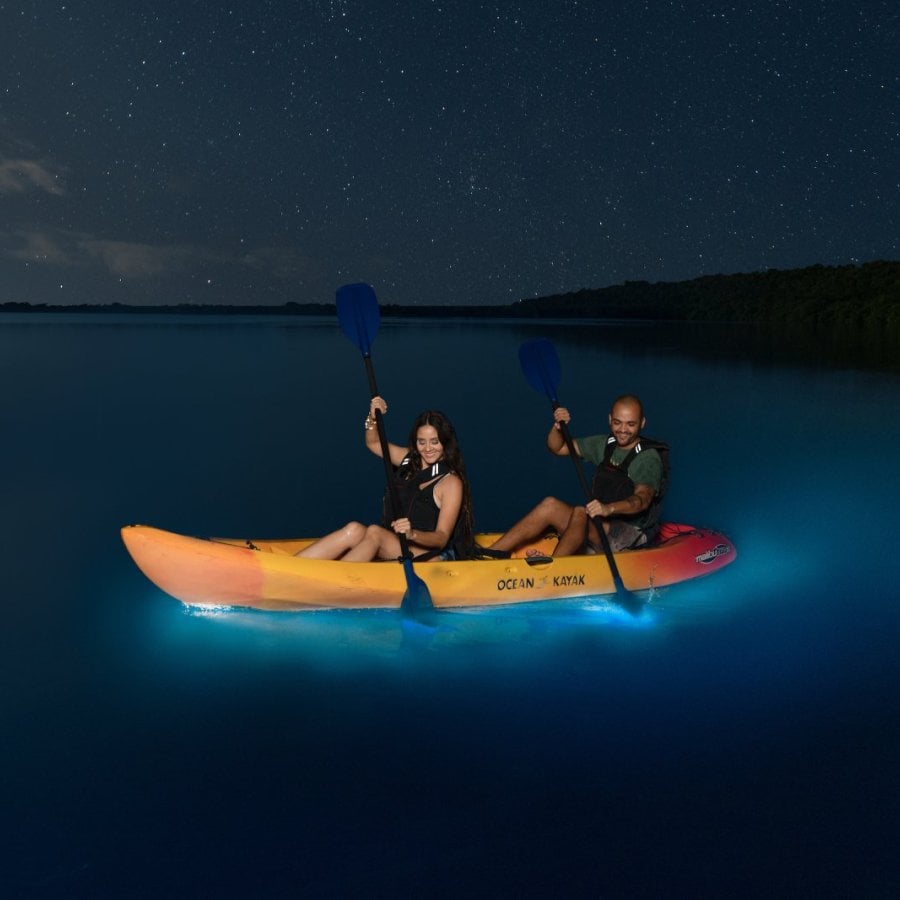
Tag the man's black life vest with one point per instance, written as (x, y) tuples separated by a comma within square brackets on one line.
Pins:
[(611, 482)]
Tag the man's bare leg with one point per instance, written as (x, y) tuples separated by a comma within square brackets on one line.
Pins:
[(574, 535), (549, 513)]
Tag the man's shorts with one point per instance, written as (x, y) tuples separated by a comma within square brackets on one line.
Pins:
[(624, 536)]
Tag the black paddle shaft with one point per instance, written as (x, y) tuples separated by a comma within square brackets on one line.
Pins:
[(597, 520), (567, 437), (358, 316), (386, 457), (540, 365)]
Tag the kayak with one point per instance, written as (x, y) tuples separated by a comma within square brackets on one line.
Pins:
[(265, 574)]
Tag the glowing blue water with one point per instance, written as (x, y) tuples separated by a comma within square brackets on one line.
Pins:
[(739, 737)]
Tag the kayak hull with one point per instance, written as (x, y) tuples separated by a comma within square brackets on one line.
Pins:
[(263, 574)]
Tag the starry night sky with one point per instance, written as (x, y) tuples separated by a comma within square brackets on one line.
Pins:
[(258, 152)]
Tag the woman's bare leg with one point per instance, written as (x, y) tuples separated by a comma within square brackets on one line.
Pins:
[(336, 544), (378, 543)]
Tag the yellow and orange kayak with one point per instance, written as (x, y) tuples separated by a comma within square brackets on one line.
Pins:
[(265, 574)]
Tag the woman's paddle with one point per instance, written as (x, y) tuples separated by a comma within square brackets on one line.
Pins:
[(541, 368), (359, 316)]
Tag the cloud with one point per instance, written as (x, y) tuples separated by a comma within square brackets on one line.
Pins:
[(140, 261), (282, 263), (38, 247), (126, 259), (17, 176), (136, 260)]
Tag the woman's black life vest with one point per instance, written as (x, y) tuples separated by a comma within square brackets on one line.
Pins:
[(415, 500), (611, 482)]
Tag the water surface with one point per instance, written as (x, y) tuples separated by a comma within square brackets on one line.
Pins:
[(739, 737)]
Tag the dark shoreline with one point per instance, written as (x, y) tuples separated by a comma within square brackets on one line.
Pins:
[(847, 295), (847, 316)]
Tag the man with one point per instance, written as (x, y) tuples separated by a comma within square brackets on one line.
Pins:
[(625, 492)]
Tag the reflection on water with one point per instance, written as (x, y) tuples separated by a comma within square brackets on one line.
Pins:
[(783, 344), (360, 638), (153, 751)]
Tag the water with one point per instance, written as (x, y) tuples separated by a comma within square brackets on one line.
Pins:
[(738, 738)]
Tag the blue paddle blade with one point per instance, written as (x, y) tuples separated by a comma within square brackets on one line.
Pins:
[(541, 367), (358, 314), (417, 598)]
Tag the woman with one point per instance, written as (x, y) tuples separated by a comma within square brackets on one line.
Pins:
[(435, 510)]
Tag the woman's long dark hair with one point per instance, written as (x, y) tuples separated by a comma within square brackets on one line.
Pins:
[(453, 458)]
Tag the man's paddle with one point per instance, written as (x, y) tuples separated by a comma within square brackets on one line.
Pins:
[(359, 316), (541, 368)]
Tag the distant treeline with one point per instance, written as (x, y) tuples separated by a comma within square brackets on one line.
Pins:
[(852, 297), (188, 309)]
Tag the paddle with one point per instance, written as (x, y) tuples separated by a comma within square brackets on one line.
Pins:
[(358, 315), (541, 368)]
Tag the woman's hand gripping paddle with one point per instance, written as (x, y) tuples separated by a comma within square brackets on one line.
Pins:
[(541, 368), (359, 316)]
